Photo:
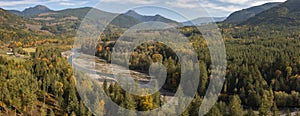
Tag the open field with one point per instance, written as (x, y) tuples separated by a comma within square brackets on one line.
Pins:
[(29, 50)]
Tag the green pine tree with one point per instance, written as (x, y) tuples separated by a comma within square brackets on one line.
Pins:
[(267, 103), (235, 107)]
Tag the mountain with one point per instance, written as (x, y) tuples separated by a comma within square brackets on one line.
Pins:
[(36, 10), (61, 23), (16, 12), (157, 17), (32, 11), (287, 14), (67, 21), (245, 14), (137, 16), (203, 20)]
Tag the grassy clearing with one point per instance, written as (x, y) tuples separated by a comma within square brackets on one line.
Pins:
[(29, 50), (13, 58)]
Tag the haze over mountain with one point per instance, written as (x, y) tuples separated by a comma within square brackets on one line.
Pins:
[(286, 14), (42, 13), (245, 14), (203, 20)]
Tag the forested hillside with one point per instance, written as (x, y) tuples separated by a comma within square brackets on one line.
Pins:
[(245, 14), (41, 85), (16, 28), (286, 14)]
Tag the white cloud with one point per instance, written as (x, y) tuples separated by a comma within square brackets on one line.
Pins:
[(249, 2), (234, 1), (183, 4), (66, 3), (259, 2), (233, 5), (14, 3), (221, 8), (221, 5), (142, 2), (230, 8)]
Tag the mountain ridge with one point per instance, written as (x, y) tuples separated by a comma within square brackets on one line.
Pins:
[(286, 14), (245, 14), (144, 18)]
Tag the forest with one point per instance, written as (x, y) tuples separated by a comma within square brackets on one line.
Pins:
[(262, 75), (262, 72)]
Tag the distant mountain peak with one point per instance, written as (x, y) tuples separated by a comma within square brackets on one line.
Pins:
[(157, 15), (144, 18), (36, 10), (38, 7), (131, 11)]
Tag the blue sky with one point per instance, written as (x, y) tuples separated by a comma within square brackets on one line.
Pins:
[(174, 9)]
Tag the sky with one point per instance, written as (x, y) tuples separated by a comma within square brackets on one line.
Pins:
[(179, 10)]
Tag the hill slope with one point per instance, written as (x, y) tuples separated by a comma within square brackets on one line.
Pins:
[(287, 14), (15, 28), (245, 14), (8, 20)]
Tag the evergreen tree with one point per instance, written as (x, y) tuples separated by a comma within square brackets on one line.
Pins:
[(82, 109), (51, 113), (203, 79), (105, 87), (275, 110), (43, 110), (71, 100), (215, 111), (130, 104), (267, 103), (288, 112), (195, 105), (298, 113), (250, 113), (235, 107)]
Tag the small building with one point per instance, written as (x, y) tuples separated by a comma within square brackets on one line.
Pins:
[(9, 53)]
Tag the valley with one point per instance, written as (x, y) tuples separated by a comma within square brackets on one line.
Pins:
[(44, 71)]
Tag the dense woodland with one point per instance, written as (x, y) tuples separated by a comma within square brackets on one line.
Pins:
[(262, 72), (262, 77)]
